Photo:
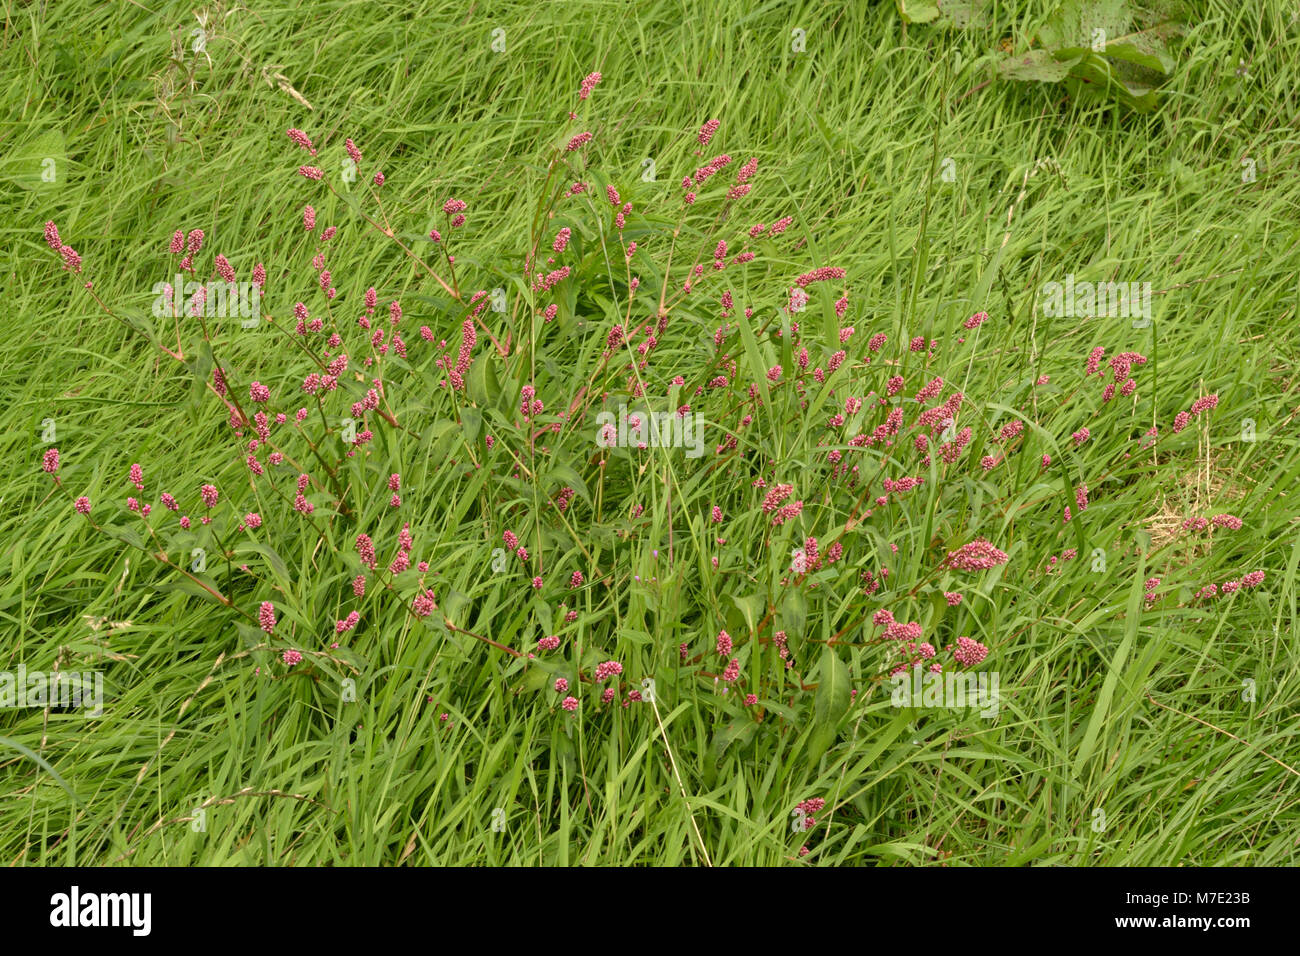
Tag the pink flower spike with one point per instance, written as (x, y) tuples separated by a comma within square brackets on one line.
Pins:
[(299, 138), (579, 141), (979, 555)]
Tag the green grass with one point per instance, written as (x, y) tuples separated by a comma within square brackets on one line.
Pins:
[(1106, 705)]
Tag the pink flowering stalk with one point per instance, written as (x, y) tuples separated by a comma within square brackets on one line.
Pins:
[(979, 555)]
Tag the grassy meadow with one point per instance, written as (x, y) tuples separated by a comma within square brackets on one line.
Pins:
[(1138, 718)]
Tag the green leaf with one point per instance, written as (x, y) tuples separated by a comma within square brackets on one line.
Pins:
[(751, 608), (794, 612), (202, 364), (918, 11), (126, 535), (273, 558), (1037, 66), (432, 437), (564, 475), (200, 368), (964, 14), (471, 421), (741, 732), (189, 586), (249, 636), (481, 381), (138, 321), (639, 638), (453, 603), (541, 675), (829, 705), (1145, 54)]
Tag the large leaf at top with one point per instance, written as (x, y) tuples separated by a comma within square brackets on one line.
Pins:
[(918, 11)]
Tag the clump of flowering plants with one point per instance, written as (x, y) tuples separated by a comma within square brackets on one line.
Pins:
[(852, 515)]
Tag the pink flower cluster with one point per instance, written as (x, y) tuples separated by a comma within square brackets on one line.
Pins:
[(711, 168), (969, 652), (1231, 522), (806, 809), (824, 274), (1183, 419), (424, 604), (772, 500), (1251, 580), (979, 555), (608, 669), (71, 260)]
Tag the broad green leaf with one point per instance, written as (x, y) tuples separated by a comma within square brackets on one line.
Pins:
[(564, 475), (471, 420), (1038, 66), (751, 608), (794, 612), (829, 704), (481, 381), (918, 11)]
